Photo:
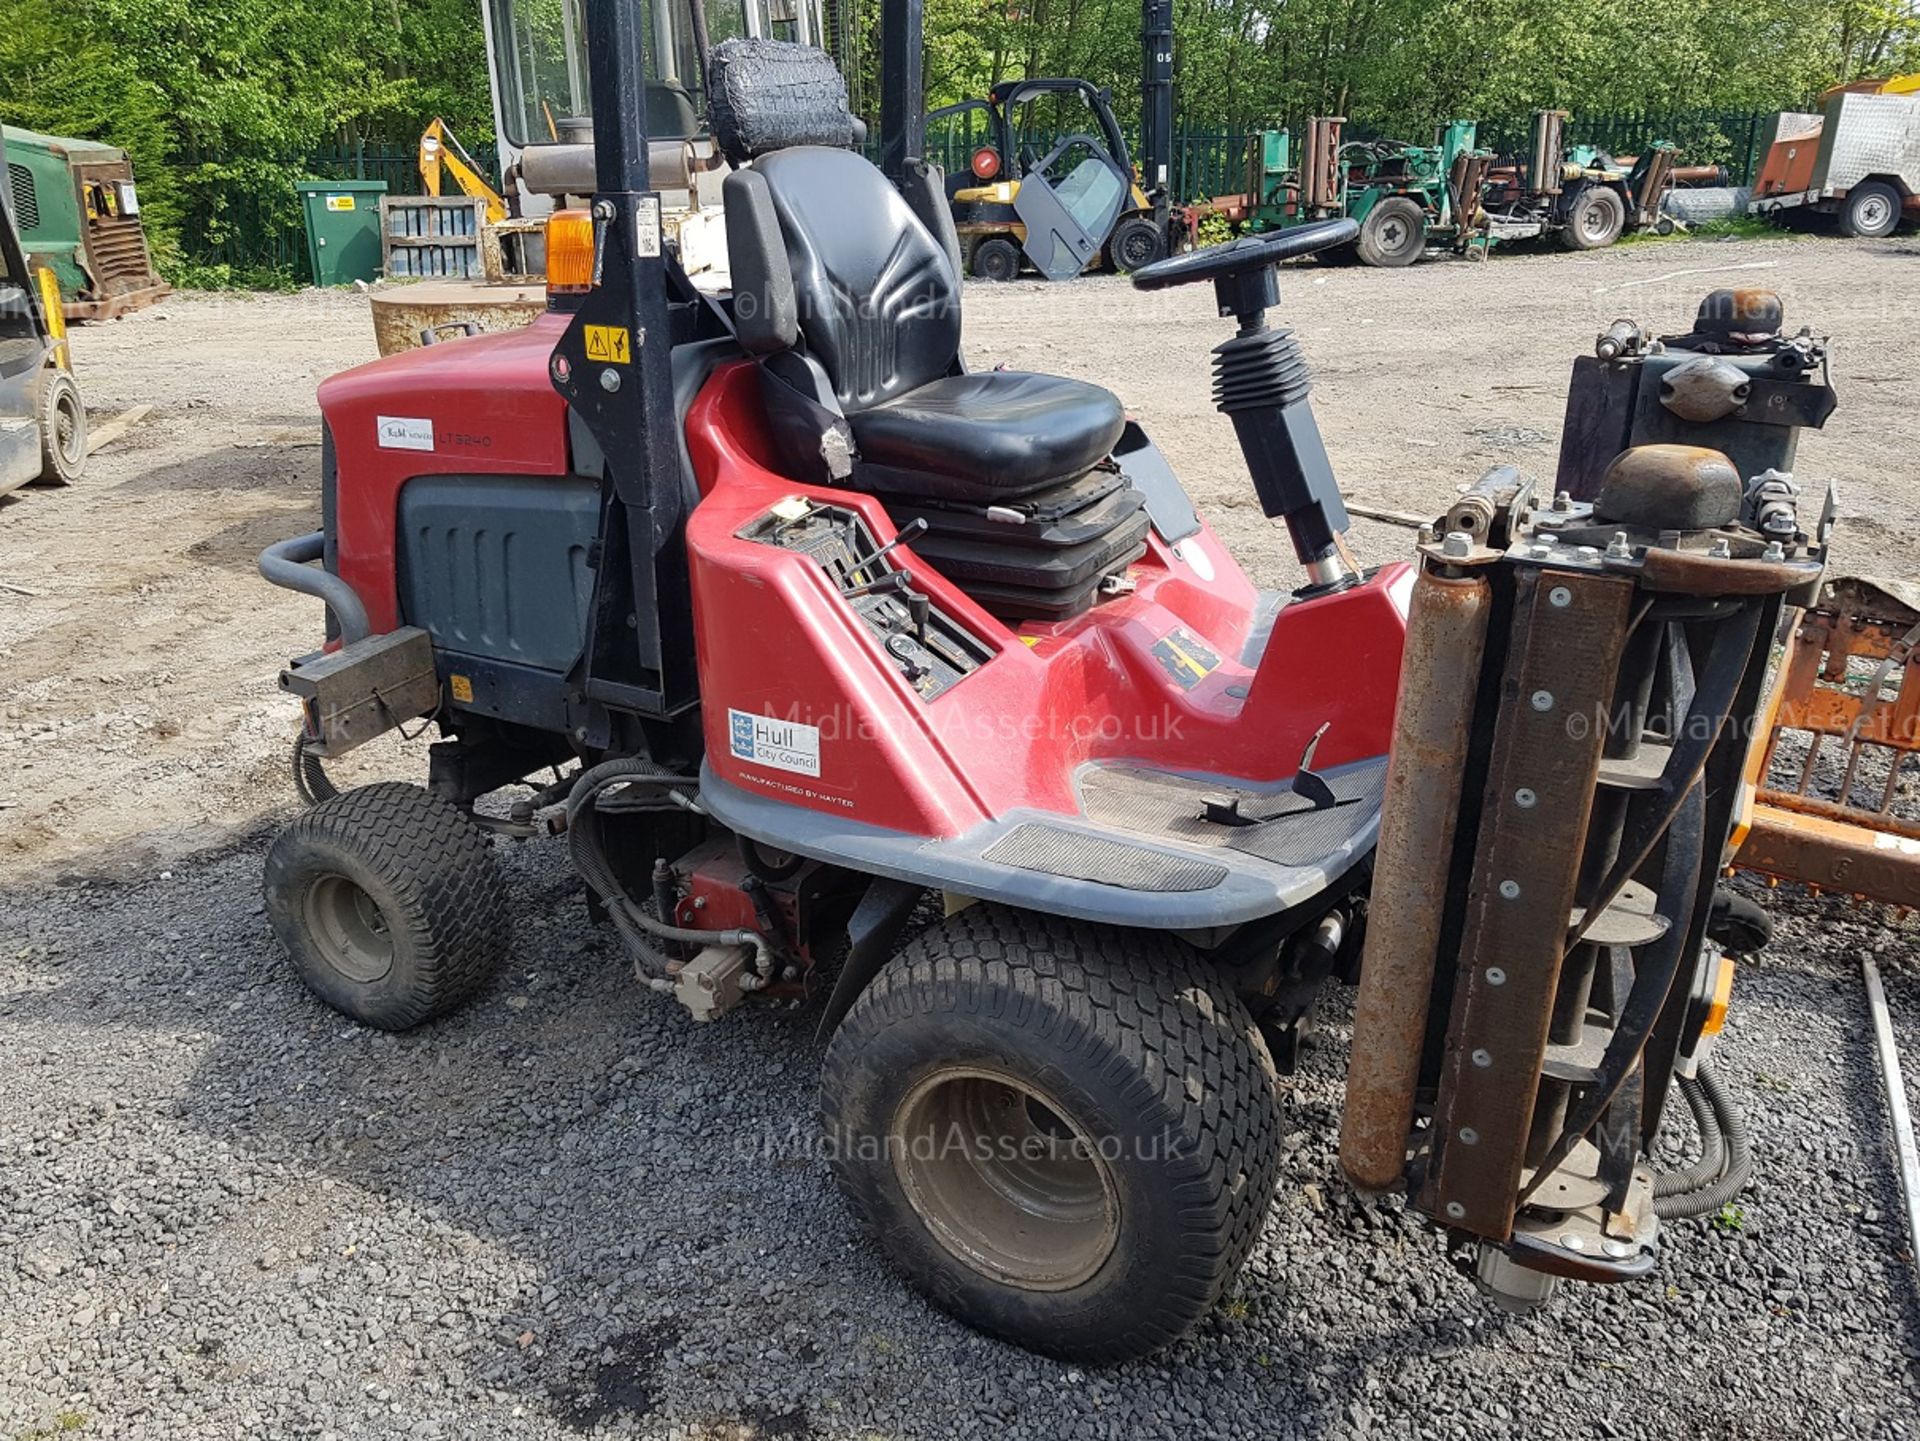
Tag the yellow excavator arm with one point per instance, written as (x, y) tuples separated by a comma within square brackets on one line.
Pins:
[(439, 151)]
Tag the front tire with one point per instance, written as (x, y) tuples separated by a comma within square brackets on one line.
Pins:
[(388, 901), (996, 259), (1872, 211), (1137, 242), (1394, 234), (63, 430), (1594, 220), (1064, 1135)]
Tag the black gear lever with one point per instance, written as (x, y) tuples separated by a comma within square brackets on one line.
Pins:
[(1260, 383)]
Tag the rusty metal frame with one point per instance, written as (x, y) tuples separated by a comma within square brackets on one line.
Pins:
[(1857, 847), (1561, 666)]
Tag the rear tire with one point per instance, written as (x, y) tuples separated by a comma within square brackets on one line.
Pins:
[(1131, 1067), (1594, 220), (63, 430), (388, 901), (996, 259), (1136, 243), (1871, 212), (1394, 234)]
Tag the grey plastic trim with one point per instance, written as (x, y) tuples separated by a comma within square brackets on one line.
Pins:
[(1252, 888)]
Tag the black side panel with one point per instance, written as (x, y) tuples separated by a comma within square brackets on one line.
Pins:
[(1146, 469), (497, 566), (1599, 420)]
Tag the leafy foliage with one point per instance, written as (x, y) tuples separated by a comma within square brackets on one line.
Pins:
[(217, 101), (221, 104)]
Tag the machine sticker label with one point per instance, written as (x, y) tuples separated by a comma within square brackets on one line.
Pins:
[(784, 745), (339, 202), (462, 688), (1185, 658), (646, 227), (404, 432), (610, 344)]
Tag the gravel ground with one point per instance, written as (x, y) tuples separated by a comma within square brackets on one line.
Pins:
[(568, 1210)]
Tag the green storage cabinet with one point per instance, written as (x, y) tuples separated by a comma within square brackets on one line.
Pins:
[(343, 228)]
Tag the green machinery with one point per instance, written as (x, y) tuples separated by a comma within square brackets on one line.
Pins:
[(1404, 197), (79, 215), (1451, 193)]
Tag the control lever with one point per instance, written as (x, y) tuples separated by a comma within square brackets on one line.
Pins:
[(919, 610), (894, 582), (1308, 784), (907, 533)]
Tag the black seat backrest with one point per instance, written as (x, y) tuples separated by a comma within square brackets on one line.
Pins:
[(828, 257)]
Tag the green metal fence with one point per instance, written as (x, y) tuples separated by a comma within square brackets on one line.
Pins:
[(243, 213)]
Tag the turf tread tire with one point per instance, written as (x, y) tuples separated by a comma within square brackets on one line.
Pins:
[(1375, 251), (430, 870), (1573, 235), (1141, 1018)]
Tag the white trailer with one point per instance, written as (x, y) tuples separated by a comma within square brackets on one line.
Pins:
[(1858, 161)]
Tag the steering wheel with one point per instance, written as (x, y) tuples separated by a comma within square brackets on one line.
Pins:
[(1248, 253)]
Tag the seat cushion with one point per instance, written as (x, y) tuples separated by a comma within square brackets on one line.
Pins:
[(984, 437)]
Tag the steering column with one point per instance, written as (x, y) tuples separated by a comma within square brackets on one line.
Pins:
[(1260, 383)]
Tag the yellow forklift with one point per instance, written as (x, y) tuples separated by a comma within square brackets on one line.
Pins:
[(1048, 181)]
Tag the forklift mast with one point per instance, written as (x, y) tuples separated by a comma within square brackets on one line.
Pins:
[(1156, 99), (902, 94)]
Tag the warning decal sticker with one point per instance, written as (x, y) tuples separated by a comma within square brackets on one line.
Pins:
[(1184, 657), (610, 344)]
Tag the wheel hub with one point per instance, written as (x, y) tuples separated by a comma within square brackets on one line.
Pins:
[(1004, 1180), (1873, 214), (66, 430), (351, 932)]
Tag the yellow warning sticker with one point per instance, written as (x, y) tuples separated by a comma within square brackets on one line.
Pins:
[(462, 688), (1184, 658), (611, 344), (339, 202)]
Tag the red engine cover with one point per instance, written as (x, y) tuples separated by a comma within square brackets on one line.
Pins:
[(480, 406)]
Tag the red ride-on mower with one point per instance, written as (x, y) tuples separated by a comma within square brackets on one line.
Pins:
[(924, 694)]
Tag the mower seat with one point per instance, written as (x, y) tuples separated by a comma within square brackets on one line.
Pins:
[(834, 273), (986, 436), (846, 290)]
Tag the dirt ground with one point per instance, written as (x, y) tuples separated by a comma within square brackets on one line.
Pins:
[(139, 717)]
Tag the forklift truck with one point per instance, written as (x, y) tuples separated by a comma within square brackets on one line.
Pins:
[(43, 422), (923, 695), (1084, 201)]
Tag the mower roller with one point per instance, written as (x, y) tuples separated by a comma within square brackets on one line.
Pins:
[(924, 695)]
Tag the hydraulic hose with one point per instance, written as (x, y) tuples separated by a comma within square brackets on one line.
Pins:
[(1706, 1170), (1736, 1167), (636, 927)]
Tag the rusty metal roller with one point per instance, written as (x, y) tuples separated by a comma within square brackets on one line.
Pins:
[(1446, 638)]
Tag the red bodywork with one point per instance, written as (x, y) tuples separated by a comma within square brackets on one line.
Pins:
[(491, 409), (776, 639)]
